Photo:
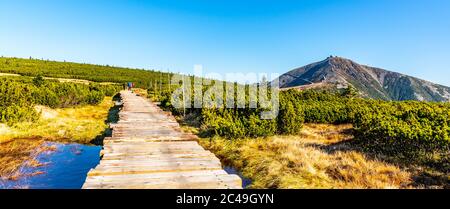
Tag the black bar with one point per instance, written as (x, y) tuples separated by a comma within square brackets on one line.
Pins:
[(233, 198)]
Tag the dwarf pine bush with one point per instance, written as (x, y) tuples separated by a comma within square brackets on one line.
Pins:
[(19, 95)]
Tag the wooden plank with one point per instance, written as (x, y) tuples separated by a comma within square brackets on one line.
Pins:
[(157, 152), (159, 156), (180, 174), (149, 169), (151, 147), (146, 149), (157, 144), (159, 162), (156, 139), (131, 138)]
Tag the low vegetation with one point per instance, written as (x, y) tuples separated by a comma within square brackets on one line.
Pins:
[(75, 124), (311, 159), (411, 132), (409, 129), (19, 95), (412, 135)]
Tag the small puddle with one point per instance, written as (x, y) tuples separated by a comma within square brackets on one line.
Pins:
[(64, 168), (245, 181)]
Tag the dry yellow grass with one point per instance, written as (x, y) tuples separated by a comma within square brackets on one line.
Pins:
[(79, 124), (18, 153), (13, 155), (314, 159)]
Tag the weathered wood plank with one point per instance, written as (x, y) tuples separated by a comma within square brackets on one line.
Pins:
[(181, 174), (111, 170), (159, 156), (158, 152), (154, 162)]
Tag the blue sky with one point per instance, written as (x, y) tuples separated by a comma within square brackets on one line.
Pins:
[(407, 36)]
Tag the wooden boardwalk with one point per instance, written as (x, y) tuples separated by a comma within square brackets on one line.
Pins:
[(148, 150)]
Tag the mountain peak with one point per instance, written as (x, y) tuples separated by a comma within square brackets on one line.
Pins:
[(334, 60), (331, 57), (371, 82), (337, 59)]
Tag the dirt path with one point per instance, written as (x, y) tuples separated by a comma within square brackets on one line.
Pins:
[(148, 150)]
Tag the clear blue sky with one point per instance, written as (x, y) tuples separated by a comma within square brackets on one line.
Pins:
[(407, 36)]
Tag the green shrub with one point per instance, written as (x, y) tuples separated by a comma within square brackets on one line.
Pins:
[(110, 90), (95, 97), (19, 95), (255, 126), (16, 102), (290, 118), (223, 123)]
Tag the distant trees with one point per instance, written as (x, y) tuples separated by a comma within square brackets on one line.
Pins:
[(97, 73)]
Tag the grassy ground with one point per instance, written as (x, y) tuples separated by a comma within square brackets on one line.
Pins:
[(21, 143), (79, 124), (317, 158)]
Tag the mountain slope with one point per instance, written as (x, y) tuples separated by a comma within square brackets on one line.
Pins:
[(370, 81)]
